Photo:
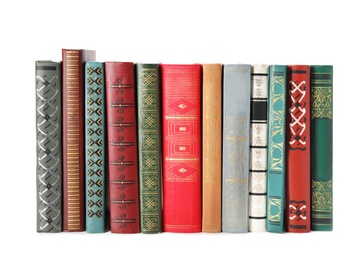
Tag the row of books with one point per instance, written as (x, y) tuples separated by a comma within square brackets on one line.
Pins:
[(134, 147)]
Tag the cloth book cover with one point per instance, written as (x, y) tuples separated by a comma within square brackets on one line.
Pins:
[(276, 148), (48, 146), (149, 146), (211, 147), (258, 148), (235, 145), (321, 147), (95, 148), (181, 141), (297, 191), (122, 147)]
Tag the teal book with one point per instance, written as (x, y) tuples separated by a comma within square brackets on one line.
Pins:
[(49, 146), (235, 144), (149, 146), (95, 148), (276, 148), (321, 147)]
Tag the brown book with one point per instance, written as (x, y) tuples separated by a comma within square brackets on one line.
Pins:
[(122, 147), (73, 137), (211, 147)]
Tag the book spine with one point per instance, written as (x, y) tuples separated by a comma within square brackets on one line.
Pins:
[(236, 121), (181, 111), (73, 138), (95, 147), (298, 176), (49, 146), (122, 147), (276, 148), (321, 147), (211, 147), (149, 146), (258, 148)]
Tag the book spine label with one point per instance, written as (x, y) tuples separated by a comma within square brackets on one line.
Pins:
[(149, 145), (276, 148), (236, 121), (181, 111), (298, 149), (49, 146), (258, 148), (122, 147), (321, 147), (95, 147), (211, 147)]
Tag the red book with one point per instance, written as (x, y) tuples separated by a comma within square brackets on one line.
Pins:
[(181, 112), (298, 150), (73, 137), (122, 147)]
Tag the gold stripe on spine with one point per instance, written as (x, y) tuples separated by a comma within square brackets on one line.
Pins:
[(73, 166)]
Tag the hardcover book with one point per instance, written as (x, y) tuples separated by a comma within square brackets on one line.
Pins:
[(321, 147), (49, 146), (211, 147), (73, 137), (235, 170), (181, 140), (149, 145), (276, 148), (95, 148), (258, 148), (297, 188), (122, 147)]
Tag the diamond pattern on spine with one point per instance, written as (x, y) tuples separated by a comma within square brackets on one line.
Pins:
[(49, 170)]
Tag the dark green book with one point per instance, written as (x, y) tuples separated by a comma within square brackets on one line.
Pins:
[(49, 146), (276, 148), (321, 147), (95, 148), (149, 146)]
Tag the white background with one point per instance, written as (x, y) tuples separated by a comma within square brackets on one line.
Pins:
[(272, 32)]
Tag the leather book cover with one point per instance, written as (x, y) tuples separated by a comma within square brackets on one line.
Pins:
[(149, 146), (211, 147), (95, 148), (122, 147), (258, 148), (321, 147), (48, 146), (73, 137), (297, 188), (236, 136), (181, 141), (276, 148)]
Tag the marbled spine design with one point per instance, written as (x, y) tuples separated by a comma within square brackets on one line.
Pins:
[(258, 148), (49, 146), (236, 121)]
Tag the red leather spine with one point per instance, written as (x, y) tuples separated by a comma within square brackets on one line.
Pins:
[(181, 112), (298, 150), (73, 137), (122, 147)]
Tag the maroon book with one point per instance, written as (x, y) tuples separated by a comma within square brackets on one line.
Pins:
[(298, 149), (73, 137), (181, 115), (122, 147)]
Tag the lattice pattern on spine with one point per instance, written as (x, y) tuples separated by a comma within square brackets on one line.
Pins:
[(48, 151)]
